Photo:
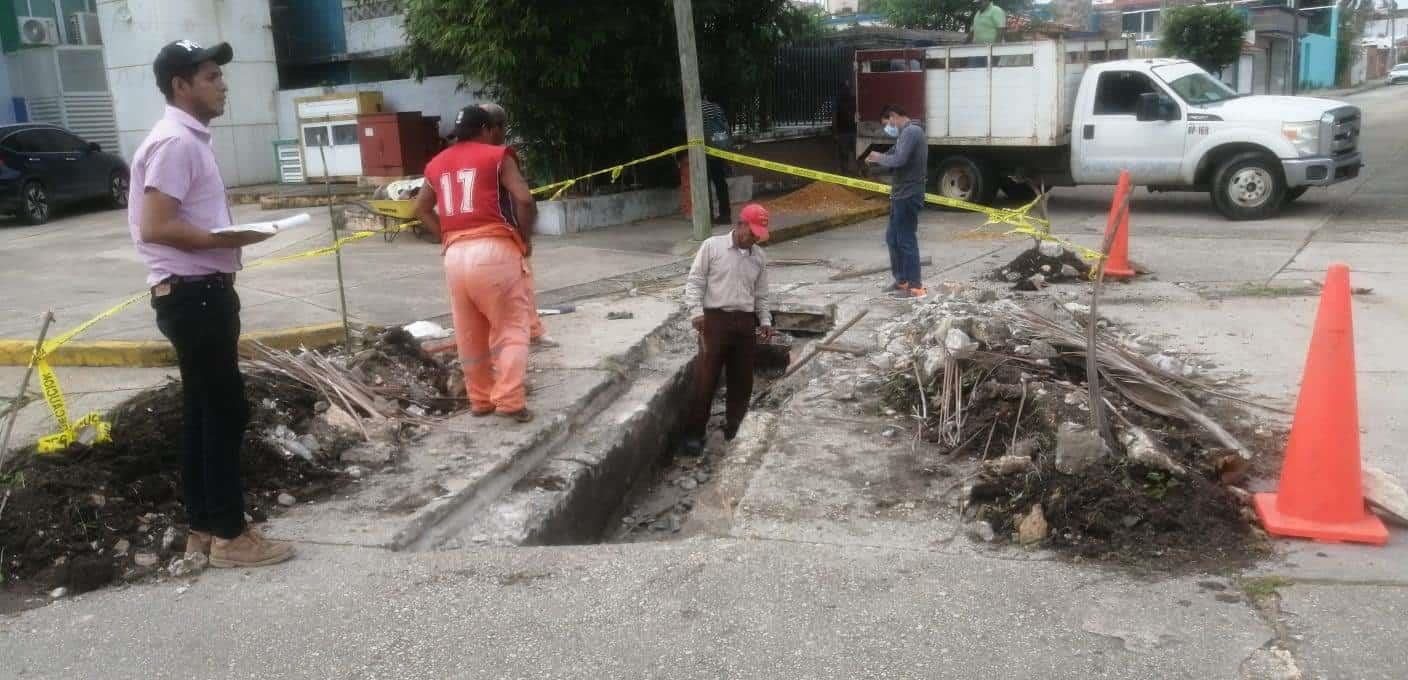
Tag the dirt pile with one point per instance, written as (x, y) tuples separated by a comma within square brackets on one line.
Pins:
[(820, 197), (1007, 386), (90, 515)]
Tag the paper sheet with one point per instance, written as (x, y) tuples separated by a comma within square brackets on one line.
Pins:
[(270, 228)]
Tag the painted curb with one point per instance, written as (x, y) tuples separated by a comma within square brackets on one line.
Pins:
[(155, 353)]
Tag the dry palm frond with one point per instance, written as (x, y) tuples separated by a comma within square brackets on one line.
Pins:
[(1132, 376)]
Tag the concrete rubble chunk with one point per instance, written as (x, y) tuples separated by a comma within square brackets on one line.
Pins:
[(1041, 349), (58, 593), (992, 333), (959, 344), (287, 499), (1385, 494), (1271, 663), (339, 419), (934, 360), (1004, 466), (121, 547), (1051, 249), (145, 560), (168, 538), (1077, 448), (1169, 365), (370, 453), (1025, 447), (189, 564), (1142, 448), (1033, 527), (981, 531)]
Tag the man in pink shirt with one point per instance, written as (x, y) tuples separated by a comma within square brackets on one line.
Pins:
[(176, 201)]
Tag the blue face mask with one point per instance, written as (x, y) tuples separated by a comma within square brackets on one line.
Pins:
[(892, 130)]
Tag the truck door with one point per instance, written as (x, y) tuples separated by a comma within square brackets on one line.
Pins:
[(1108, 138), (888, 77)]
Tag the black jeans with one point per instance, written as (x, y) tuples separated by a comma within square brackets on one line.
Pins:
[(202, 321), (718, 176)]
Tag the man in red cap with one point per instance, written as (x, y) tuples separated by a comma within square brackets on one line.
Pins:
[(727, 299)]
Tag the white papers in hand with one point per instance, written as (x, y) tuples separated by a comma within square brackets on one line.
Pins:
[(270, 228)]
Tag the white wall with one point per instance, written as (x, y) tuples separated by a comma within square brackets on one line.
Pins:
[(437, 96), (135, 30)]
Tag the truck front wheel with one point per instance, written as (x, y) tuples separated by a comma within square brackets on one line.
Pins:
[(966, 179), (1249, 186)]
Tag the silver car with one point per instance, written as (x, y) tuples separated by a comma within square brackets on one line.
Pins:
[(1399, 74)]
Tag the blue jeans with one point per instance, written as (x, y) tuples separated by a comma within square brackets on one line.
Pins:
[(902, 238)]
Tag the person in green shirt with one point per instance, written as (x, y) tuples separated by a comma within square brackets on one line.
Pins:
[(989, 24)]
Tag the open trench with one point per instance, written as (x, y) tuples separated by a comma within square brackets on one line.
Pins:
[(616, 477)]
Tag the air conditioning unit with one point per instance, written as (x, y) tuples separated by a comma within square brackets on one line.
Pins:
[(83, 29), (38, 31)]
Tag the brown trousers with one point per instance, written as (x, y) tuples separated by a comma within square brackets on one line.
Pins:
[(727, 343)]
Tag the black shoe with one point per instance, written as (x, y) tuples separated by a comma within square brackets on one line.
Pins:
[(730, 431), (692, 448)]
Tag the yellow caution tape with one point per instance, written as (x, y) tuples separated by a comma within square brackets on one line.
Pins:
[(1016, 218), (614, 171), (1020, 219), (93, 424)]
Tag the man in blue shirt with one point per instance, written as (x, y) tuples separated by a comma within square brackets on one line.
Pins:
[(908, 161)]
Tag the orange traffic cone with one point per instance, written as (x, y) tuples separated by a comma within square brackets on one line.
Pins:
[(1320, 496), (1117, 264)]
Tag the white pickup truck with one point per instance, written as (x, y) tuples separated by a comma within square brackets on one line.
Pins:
[(1067, 113)]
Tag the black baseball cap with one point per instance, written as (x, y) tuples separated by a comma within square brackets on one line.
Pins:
[(181, 53), (470, 120)]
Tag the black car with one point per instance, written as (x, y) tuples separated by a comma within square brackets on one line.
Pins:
[(43, 165)]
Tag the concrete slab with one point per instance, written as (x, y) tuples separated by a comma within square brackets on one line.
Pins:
[(467, 462), (693, 609), (1345, 632)]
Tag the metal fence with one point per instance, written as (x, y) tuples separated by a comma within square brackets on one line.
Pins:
[(800, 91)]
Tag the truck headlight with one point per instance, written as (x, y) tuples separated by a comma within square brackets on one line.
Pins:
[(1304, 136)]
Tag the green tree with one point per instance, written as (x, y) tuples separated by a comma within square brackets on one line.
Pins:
[(1353, 16), (940, 15), (589, 85), (1207, 35)]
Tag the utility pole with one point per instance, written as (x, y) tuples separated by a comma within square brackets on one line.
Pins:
[(693, 119)]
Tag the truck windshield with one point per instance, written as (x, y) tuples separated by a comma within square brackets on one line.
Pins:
[(1193, 84)]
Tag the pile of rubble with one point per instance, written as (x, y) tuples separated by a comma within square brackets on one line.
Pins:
[(1041, 265), (92, 514), (1157, 481)]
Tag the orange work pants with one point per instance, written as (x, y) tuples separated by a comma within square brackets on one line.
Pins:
[(491, 301), (535, 322)]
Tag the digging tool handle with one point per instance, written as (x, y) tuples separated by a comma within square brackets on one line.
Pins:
[(24, 385), (811, 354), (854, 273)]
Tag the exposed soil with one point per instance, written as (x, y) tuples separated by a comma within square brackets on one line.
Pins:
[(67, 511), (1064, 267), (70, 513)]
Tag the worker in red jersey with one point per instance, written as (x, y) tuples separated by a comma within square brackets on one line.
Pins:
[(485, 265)]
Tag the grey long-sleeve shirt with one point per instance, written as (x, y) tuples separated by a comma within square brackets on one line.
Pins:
[(909, 159), (724, 277)]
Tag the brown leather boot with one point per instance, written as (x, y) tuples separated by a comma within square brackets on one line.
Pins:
[(249, 549), (198, 542)]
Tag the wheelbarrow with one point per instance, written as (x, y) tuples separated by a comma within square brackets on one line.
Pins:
[(393, 217)]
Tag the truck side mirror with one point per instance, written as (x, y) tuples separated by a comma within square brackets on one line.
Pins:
[(1148, 108)]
